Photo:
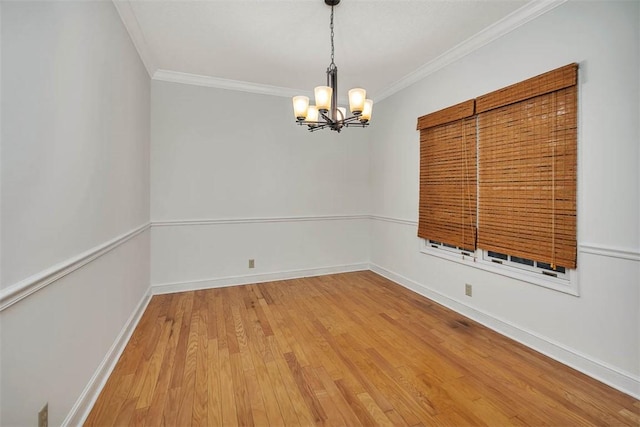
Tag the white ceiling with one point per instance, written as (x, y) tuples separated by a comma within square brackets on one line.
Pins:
[(285, 43)]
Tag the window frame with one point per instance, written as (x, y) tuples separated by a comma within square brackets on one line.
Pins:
[(566, 283), (536, 86)]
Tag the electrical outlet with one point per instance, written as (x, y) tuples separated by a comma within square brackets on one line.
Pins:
[(252, 263), (43, 416), (468, 291)]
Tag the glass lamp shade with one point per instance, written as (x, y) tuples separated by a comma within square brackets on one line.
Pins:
[(356, 100), (366, 111), (323, 98), (342, 114), (312, 114), (300, 107)]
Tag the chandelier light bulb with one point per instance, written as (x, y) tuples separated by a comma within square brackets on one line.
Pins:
[(366, 111), (323, 98), (300, 107), (356, 100), (312, 114)]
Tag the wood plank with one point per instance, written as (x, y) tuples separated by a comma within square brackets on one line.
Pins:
[(201, 391), (227, 390), (347, 349)]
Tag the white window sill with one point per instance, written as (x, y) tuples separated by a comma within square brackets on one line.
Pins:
[(567, 286)]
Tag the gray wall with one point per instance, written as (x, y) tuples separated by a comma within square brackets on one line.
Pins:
[(74, 175)]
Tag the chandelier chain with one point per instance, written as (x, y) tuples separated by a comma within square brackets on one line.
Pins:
[(332, 49)]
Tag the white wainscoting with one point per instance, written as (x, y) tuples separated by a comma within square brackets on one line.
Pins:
[(193, 254), (82, 312), (34, 283)]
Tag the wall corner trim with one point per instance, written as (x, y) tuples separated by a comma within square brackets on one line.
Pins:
[(81, 409), (32, 284), (132, 26), (601, 371)]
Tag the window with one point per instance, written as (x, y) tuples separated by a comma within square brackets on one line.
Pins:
[(498, 177)]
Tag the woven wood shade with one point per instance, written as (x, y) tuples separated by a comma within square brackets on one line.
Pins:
[(557, 79), (527, 176), (447, 115), (526, 137), (448, 181)]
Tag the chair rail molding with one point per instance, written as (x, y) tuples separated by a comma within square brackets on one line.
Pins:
[(252, 220), (34, 283)]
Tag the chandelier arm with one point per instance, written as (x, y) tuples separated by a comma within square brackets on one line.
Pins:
[(327, 119)]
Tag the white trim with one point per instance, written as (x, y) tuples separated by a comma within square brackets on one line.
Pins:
[(476, 260), (610, 251), (216, 82), (395, 220), (213, 221), (81, 409), (28, 286), (132, 26), (584, 248), (601, 371), (511, 22), (194, 285)]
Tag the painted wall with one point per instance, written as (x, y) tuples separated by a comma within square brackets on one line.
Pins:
[(599, 331), (74, 175), (260, 188)]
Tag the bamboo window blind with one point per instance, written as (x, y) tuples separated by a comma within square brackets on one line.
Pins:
[(526, 140), (448, 176)]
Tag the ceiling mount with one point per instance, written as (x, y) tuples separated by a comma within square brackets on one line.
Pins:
[(331, 2)]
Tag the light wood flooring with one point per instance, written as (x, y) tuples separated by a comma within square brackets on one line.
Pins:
[(346, 350)]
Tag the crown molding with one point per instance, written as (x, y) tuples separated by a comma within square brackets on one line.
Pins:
[(132, 26), (526, 13), (216, 82), (509, 23)]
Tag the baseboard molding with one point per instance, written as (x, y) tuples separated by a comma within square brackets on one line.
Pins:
[(623, 381), (194, 285), (30, 285), (87, 399)]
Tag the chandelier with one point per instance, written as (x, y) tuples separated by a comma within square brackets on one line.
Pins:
[(326, 113)]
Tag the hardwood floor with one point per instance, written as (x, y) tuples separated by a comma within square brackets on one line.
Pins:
[(347, 349)]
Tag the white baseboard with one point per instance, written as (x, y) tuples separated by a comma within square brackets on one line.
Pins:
[(598, 370), (194, 285), (601, 371), (87, 399)]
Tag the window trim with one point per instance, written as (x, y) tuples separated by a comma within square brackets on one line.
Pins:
[(568, 285)]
